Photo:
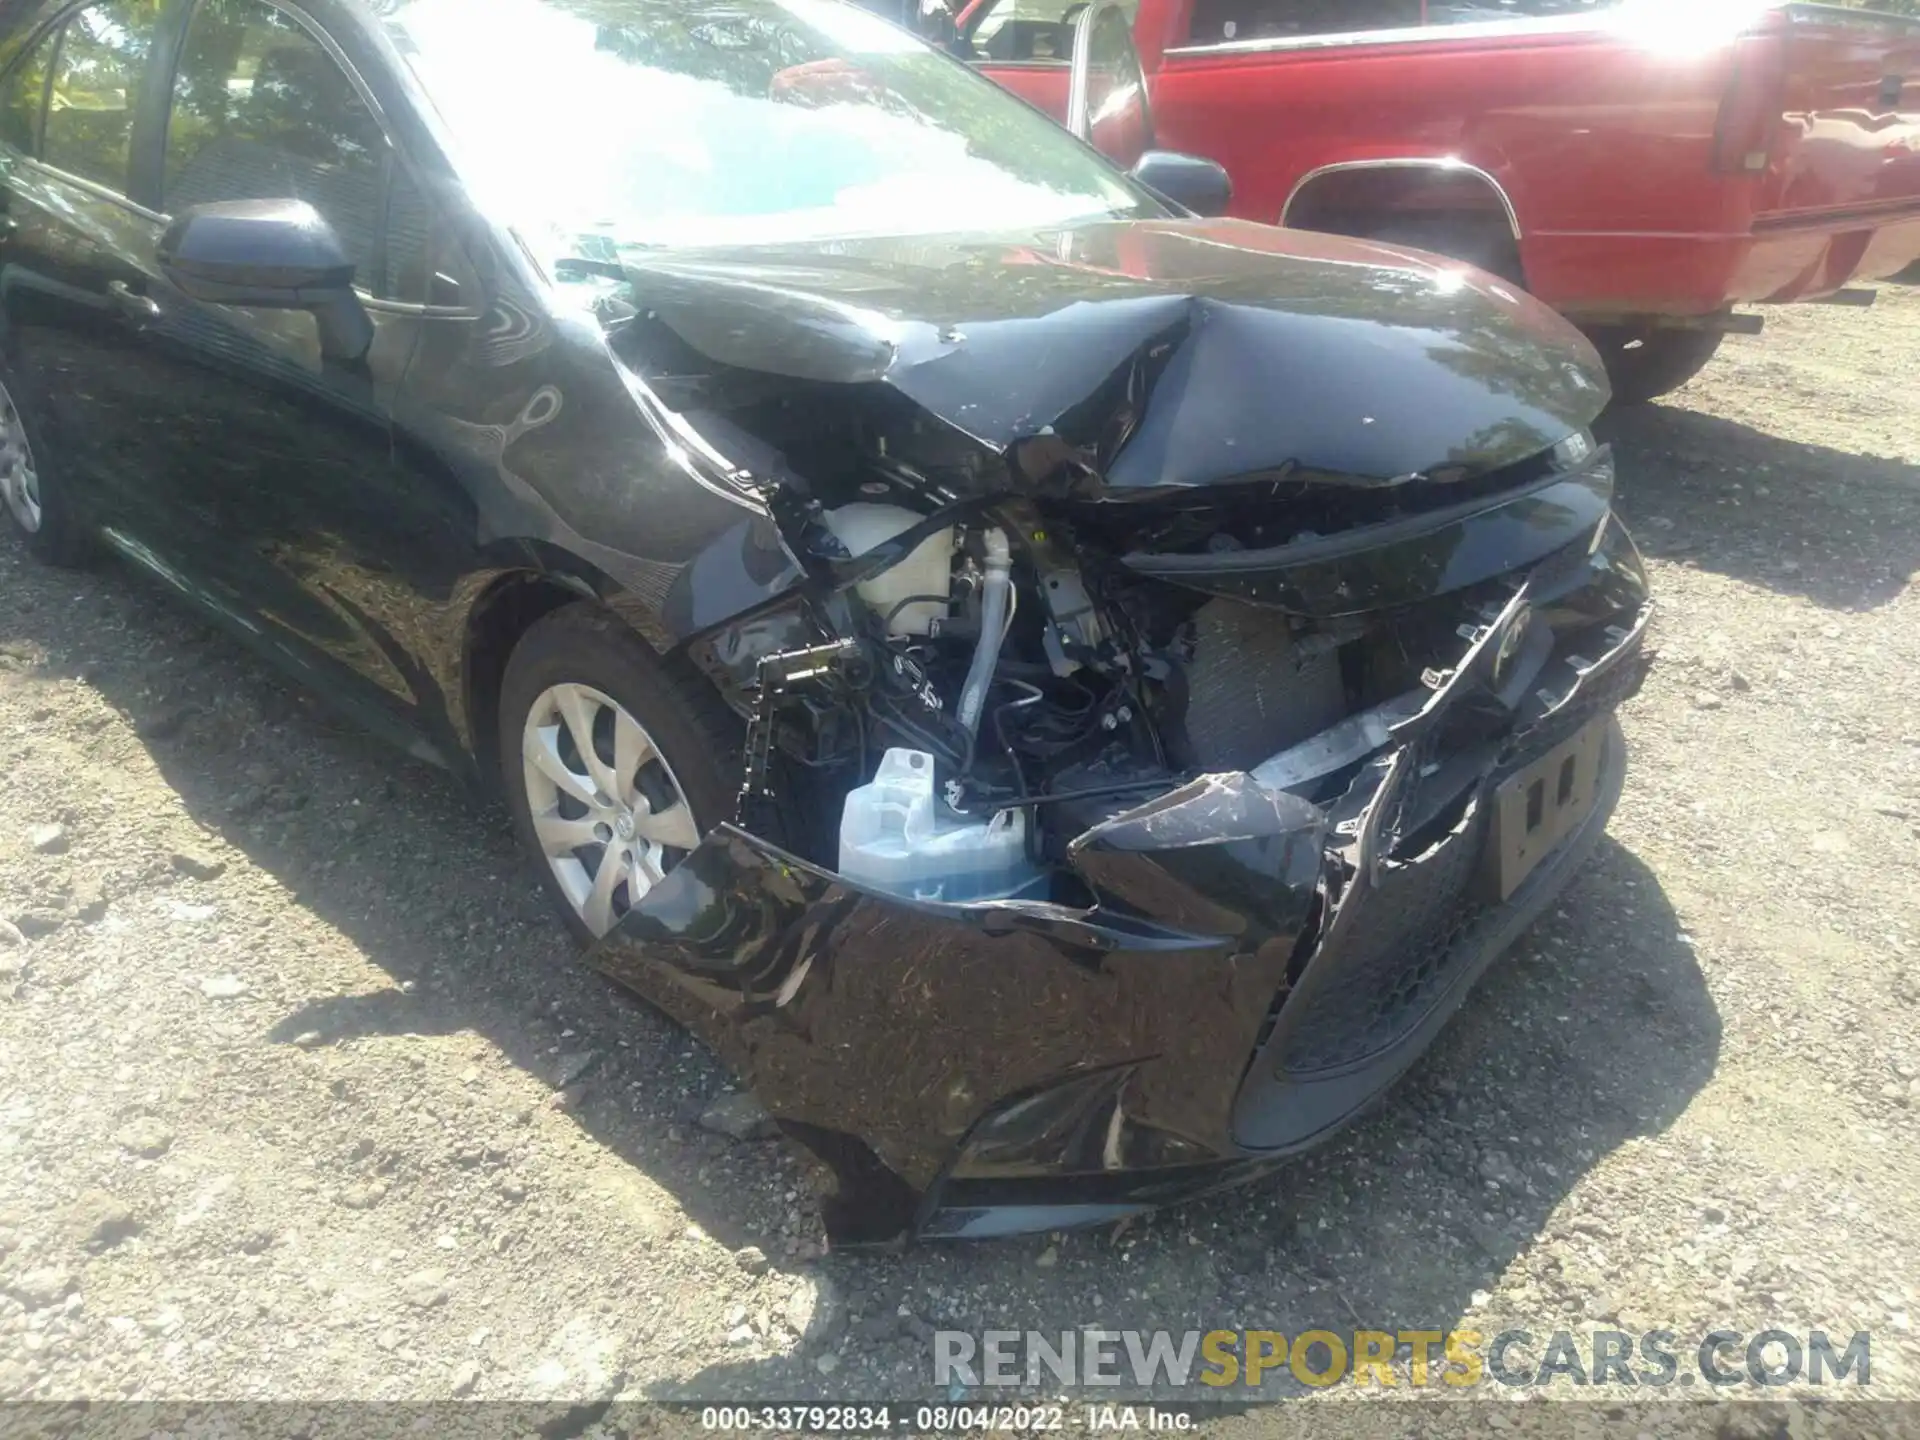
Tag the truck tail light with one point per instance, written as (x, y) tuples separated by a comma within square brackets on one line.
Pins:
[(1750, 110)]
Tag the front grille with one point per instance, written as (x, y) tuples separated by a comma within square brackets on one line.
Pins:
[(1404, 949), (1598, 695), (1423, 793), (1397, 956)]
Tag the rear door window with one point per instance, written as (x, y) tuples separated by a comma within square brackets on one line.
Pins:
[(1029, 32), (1474, 12), (99, 66)]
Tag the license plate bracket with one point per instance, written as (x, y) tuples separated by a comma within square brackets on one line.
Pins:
[(1534, 809)]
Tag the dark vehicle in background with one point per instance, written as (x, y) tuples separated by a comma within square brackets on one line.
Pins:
[(1064, 694)]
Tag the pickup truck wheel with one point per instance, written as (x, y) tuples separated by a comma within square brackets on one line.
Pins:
[(1643, 363), (613, 763)]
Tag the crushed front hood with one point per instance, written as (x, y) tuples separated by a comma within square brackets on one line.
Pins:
[(1164, 353)]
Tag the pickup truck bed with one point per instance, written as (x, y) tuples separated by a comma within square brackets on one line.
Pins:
[(1643, 168)]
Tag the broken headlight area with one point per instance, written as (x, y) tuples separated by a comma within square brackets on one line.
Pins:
[(1091, 853)]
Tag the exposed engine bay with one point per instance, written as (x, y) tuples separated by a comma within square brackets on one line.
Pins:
[(973, 684)]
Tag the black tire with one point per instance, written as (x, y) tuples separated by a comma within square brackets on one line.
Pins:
[(43, 514), (1644, 363), (694, 734)]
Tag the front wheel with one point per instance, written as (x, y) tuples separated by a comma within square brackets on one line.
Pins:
[(611, 761), (1643, 362)]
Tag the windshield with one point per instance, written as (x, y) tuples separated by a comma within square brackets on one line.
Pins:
[(595, 125)]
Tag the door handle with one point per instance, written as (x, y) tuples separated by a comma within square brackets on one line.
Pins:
[(132, 306)]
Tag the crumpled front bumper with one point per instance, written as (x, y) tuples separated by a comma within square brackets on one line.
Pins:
[(1260, 969)]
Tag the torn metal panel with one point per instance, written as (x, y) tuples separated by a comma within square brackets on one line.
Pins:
[(878, 1033)]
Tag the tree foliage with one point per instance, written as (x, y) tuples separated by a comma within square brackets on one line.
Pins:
[(1885, 7)]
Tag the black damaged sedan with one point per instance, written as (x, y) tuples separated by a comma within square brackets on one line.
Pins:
[(1064, 694)]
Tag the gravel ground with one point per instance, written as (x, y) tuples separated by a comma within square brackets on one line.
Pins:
[(302, 1095)]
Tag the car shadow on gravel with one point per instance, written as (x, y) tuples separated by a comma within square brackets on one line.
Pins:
[(421, 875), (1807, 520), (1597, 1029)]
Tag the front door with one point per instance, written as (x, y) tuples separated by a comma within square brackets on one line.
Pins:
[(286, 453), (231, 456)]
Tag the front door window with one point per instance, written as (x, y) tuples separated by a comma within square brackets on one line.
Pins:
[(261, 111)]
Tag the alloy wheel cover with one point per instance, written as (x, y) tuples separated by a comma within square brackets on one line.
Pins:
[(608, 812)]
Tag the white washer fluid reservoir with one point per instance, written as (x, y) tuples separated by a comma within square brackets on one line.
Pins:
[(897, 836)]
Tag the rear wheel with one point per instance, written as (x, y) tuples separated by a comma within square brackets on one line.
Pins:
[(36, 503), (1643, 362), (612, 763)]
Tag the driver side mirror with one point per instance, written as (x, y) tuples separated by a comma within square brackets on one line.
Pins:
[(1189, 181), (272, 255)]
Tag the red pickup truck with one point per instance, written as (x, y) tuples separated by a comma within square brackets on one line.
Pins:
[(1642, 167)]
